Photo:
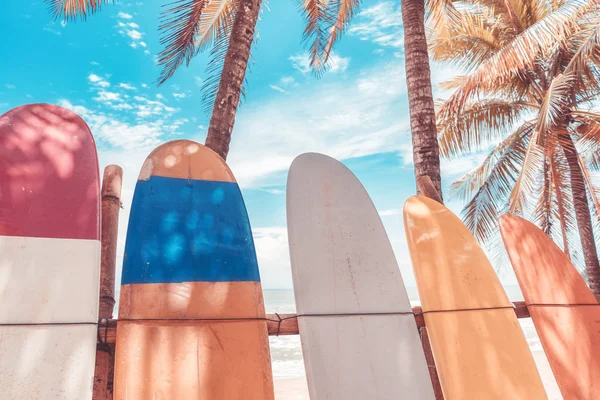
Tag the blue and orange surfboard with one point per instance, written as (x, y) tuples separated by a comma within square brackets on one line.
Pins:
[(191, 315)]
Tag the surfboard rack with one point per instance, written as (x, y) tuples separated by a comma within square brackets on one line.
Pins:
[(107, 329), (277, 324)]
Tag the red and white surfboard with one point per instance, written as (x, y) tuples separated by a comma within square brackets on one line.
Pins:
[(49, 254)]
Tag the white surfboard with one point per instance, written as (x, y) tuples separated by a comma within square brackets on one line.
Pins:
[(49, 254), (359, 336)]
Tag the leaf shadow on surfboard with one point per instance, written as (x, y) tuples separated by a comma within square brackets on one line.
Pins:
[(478, 345), (343, 265), (190, 265), (49, 253), (564, 311)]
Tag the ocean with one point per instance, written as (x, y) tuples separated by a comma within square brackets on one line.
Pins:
[(286, 351)]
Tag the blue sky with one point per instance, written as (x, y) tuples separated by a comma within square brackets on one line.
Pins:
[(104, 69)]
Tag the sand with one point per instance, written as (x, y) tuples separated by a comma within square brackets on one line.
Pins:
[(296, 388)]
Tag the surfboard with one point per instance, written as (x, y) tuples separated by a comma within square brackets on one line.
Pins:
[(479, 348), (49, 254), (191, 313), (564, 311), (359, 336)]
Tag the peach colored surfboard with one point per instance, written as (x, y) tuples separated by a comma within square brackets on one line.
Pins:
[(563, 309), (479, 348), (359, 336), (190, 261), (49, 254)]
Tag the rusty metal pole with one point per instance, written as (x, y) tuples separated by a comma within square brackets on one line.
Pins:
[(111, 206)]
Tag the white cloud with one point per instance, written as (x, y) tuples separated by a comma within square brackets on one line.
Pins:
[(277, 192), (130, 30), (111, 130), (179, 95), (147, 52), (361, 115), (98, 81), (127, 86), (147, 108), (50, 28), (272, 251), (135, 35), (381, 24), (104, 96), (145, 86), (9, 86), (301, 62), (199, 81), (287, 81), (277, 88), (390, 212), (95, 63), (160, 96)]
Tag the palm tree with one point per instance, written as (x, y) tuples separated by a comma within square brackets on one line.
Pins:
[(189, 26), (531, 76), (420, 98), (326, 22)]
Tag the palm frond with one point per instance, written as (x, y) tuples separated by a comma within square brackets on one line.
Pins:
[(442, 12), (468, 43), (519, 57), (344, 11), (71, 9), (553, 104), (587, 50), (478, 124), (319, 20), (489, 185), (528, 174), (544, 207), (189, 26), (210, 86), (587, 177), (563, 214)]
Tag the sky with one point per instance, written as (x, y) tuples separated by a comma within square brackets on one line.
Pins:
[(104, 69)]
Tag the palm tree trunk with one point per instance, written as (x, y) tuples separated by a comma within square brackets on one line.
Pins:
[(420, 98), (232, 77), (582, 214)]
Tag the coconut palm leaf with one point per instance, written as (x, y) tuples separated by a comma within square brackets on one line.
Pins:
[(189, 26), (442, 13), (543, 214), (468, 44), (530, 169), (520, 55), (479, 124), (564, 213), (553, 105), (319, 20), (587, 176), (71, 9), (343, 10), (489, 185)]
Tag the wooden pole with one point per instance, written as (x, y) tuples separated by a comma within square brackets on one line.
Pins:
[(111, 205)]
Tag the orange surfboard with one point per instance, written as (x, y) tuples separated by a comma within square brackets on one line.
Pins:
[(564, 311), (479, 348), (191, 314)]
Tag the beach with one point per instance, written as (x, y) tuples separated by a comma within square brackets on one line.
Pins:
[(288, 366)]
